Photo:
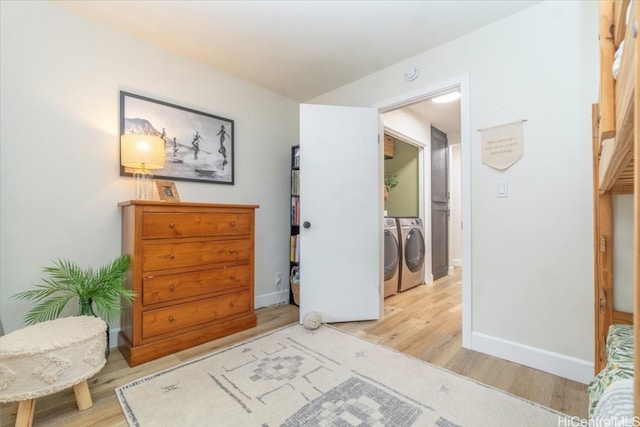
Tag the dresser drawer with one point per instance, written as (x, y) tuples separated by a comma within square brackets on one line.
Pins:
[(173, 224), (173, 287), (173, 319), (190, 254)]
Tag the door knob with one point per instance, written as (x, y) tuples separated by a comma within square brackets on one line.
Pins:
[(306, 224)]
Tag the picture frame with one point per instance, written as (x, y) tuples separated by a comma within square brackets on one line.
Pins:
[(198, 146), (167, 190)]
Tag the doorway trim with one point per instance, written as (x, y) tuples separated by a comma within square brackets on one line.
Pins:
[(421, 94)]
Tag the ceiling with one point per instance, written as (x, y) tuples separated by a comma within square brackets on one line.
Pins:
[(445, 117), (301, 49)]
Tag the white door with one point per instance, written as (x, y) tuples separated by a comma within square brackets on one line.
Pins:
[(340, 201)]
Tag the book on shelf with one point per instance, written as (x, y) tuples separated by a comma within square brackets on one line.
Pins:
[(295, 182), (296, 157), (294, 250), (295, 210)]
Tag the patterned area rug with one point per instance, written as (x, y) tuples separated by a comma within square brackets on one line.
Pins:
[(324, 377)]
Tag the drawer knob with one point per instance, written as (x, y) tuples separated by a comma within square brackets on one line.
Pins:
[(171, 256), (232, 251), (172, 224), (172, 288), (232, 224), (232, 304), (172, 319), (232, 277)]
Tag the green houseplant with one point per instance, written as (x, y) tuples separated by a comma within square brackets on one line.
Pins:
[(390, 182), (67, 280)]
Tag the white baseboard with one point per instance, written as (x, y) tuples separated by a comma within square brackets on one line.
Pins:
[(456, 262), (272, 298), (547, 361)]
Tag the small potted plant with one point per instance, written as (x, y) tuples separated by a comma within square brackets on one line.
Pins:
[(390, 182), (67, 280)]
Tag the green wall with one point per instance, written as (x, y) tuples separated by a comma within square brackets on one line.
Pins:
[(403, 200)]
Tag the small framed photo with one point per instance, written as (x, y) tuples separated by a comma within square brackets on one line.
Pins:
[(167, 190)]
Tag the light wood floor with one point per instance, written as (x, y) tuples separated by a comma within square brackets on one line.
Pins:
[(424, 322)]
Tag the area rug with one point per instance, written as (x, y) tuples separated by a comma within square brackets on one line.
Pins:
[(324, 377)]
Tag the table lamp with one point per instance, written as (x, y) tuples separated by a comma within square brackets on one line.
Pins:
[(142, 153)]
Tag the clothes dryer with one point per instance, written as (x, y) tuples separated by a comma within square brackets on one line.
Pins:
[(412, 244), (391, 257)]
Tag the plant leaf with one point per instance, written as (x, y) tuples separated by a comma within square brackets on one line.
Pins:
[(67, 280), (47, 310)]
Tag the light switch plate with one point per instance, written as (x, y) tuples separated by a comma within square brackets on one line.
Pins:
[(502, 189)]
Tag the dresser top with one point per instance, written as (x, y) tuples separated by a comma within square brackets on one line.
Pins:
[(183, 204)]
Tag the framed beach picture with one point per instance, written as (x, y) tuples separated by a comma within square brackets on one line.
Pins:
[(198, 146), (167, 190)]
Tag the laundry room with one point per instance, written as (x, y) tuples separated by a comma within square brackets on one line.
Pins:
[(422, 194)]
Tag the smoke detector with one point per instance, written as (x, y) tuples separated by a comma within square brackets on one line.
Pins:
[(411, 73)]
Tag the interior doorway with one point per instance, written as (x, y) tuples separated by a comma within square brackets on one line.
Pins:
[(426, 92), (410, 126)]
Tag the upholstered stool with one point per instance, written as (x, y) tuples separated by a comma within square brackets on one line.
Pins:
[(47, 357)]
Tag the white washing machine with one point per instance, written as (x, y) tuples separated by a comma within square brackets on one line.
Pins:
[(412, 244), (391, 257)]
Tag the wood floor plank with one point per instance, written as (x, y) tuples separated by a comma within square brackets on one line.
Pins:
[(424, 322), (439, 306)]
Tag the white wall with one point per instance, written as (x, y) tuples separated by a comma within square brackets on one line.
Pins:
[(60, 78), (622, 240), (410, 125), (532, 260)]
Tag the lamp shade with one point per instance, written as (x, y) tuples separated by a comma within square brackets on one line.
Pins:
[(142, 151)]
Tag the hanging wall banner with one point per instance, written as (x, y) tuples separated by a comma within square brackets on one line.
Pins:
[(502, 145)]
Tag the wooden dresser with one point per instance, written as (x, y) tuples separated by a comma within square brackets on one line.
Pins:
[(192, 268)]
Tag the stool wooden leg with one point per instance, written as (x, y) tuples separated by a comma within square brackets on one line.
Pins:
[(24, 417), (83, 396)]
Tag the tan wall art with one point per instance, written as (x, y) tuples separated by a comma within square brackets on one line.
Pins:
[(502, 145)]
